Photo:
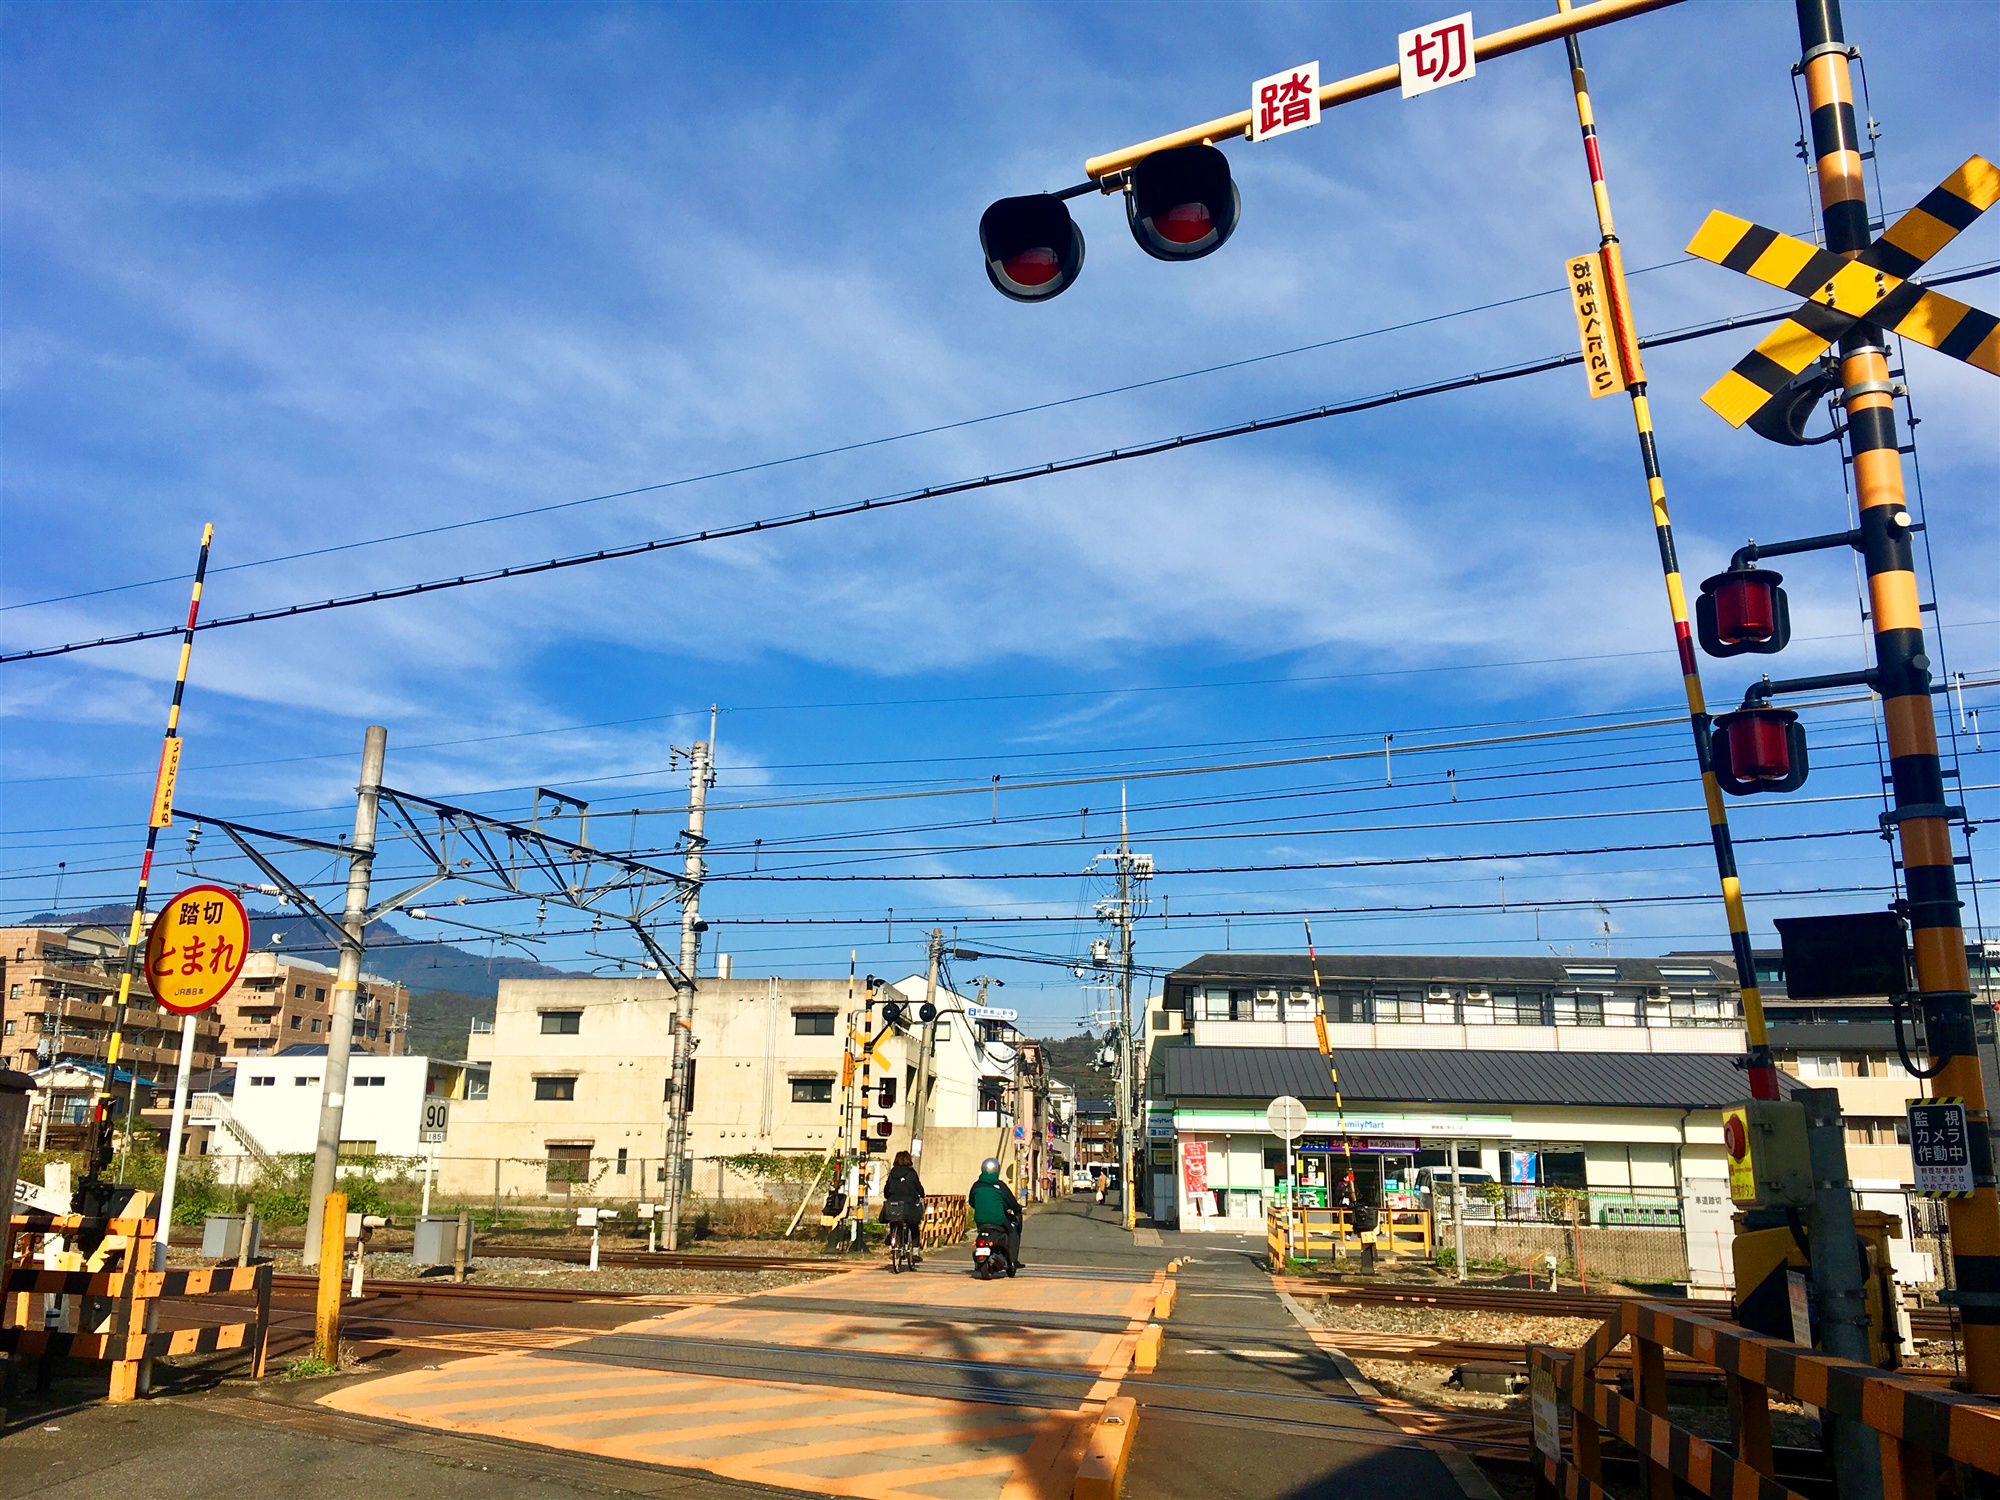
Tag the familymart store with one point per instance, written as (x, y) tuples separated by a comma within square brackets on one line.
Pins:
[(1627, 1129)]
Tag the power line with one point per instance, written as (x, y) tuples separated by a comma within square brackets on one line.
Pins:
[(854, 447), (929, 492)]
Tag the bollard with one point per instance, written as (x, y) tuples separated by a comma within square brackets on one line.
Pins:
[(463, 1248), (332, 1242), (243, 1244)]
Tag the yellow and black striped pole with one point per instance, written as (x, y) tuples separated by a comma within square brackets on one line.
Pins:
[(1333, 1070), (1763, 1075), (162, 817), (1903, 681)]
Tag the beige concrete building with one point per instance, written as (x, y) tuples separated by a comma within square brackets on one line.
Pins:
[(576, 1099)]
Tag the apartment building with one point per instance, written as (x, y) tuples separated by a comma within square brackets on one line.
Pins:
[(283, 1001), (579, 1072), (58, 998)]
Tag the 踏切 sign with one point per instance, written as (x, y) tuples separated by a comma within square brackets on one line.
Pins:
[(1284, 102), (1941, 1149), (1601, 365), (1435, 55), (196, 948)]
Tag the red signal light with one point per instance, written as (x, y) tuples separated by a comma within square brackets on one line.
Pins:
[(1734, 1138), (1758, 750), (1182, 203), (1033, 248), (1743, 610)]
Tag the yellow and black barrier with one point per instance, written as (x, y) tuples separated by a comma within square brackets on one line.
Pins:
[(1916, 1425), (118, 1300)]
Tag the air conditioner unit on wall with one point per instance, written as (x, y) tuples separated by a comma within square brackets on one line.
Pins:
[(1439, 992), (1479, 994)]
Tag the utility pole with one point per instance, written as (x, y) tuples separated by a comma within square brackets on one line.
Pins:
[(920, 1102), (701, 776), (55, 1056), (1122, 913), (1903, 681), (346, 986), (1840, 1278)]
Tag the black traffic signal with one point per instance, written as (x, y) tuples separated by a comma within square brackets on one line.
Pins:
[(927, 1013), (1033, 248), (892, 1014), (885, 1093), (1182, 203), (1759, 749), (1743, 610)]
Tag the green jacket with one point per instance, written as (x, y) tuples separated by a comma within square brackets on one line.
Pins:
[(993, 1202)]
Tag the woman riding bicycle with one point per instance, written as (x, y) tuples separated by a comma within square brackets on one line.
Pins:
[(904, 1190)]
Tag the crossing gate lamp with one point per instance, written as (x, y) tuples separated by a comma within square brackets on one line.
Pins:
[(1743, 610), (1182, 203), (1759, 750), (1033, 248)]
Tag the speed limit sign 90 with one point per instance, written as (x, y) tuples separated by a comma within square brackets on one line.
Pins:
[(437, 1119)]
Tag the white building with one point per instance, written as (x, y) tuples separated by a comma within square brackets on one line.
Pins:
[(272, 1106)]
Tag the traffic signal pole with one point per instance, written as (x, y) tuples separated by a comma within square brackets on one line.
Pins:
[(1921, 818), (1763, 1074)]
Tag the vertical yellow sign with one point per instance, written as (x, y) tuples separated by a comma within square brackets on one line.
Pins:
[(1601, 365), (163, 787)]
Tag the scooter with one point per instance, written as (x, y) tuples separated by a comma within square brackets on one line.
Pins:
[(989, 1253)]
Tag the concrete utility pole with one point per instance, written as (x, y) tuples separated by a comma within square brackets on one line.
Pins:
[(920, 1101), (346, 985), (1121, 912), (701, 776)]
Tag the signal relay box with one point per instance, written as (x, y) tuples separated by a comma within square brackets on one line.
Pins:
[(1770, 1165)]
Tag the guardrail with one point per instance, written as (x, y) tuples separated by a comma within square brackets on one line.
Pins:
[(1915, 1425), (1327, 1232), (112, 1305)]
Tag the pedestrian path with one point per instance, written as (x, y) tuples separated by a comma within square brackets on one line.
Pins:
[(867, 1384)]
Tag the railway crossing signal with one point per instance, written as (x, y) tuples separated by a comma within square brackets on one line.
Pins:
[(1872, 287)]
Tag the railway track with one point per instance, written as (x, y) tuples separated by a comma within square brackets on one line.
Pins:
[(1925, 1322), (642, 1260)]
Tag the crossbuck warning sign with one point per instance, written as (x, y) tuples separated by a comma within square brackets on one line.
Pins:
[(1872, 288)]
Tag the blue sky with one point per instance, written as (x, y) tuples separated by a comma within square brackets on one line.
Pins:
[(322, 274)]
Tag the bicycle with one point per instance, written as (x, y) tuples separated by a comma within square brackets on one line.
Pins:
[(903, 1248)]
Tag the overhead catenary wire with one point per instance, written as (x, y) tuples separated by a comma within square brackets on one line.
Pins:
[(928, 492)]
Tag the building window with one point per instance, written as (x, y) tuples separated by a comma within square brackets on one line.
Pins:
[(620, 1168), (10, 1028), (374, 1081), (1818, 1065), (1667, 973), (555, 1088), (567, 1165), (262, 1081), (1394, 1006), (298, 992), (1700, 1010), (943, 1032), (295, 1022), (812, 1023), (1579, 1010), (315, 1025), (812, 1091), (319, 997), (562, 1022), (357, 1148)]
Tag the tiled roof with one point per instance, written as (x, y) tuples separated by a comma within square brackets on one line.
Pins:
[(1411, 1076)]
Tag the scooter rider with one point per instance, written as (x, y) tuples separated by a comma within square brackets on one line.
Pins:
[(995, 1206)]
